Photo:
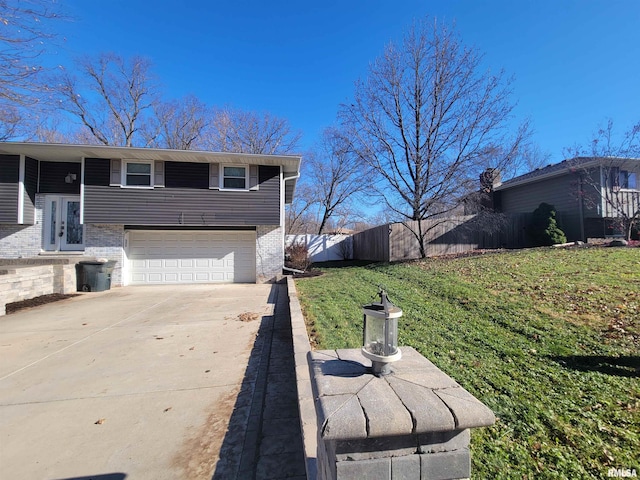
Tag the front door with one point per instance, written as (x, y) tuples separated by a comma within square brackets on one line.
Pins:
[(63, 231)]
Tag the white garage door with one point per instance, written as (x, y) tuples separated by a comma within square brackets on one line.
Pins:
[(162, 257)]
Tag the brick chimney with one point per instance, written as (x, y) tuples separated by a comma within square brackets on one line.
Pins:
[(490, 179)]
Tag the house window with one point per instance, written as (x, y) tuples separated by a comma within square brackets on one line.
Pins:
[(623, 179), (628, 180), (234, 177), (138, 174)]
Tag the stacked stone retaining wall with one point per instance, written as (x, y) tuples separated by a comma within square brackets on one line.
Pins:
[(19, 283)]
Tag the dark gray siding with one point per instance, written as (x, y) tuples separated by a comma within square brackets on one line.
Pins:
[(9, 177), (52, 176), (97, 171), (186, 175), (30, 188), (179, 206), (9, 168), (561, 192)]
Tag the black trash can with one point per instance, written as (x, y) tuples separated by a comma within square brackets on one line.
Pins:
[(94, 276)]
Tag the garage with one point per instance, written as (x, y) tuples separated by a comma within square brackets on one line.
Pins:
[(175, 256)]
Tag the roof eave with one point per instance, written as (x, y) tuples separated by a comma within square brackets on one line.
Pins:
[(587, 163), (69, 152)]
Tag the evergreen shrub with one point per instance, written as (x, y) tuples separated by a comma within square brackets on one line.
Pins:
[(544, 228)]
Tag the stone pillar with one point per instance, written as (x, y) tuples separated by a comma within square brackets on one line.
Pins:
[(64, 278), (411, 424)]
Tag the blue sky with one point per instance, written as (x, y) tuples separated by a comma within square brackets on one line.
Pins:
[(575, 63)]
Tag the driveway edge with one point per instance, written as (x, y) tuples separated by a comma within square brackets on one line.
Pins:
[(306, 404)]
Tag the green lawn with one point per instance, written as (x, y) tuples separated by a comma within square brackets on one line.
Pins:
[(549, 339)]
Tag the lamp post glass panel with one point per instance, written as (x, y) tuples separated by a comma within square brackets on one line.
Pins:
[(380, 335)]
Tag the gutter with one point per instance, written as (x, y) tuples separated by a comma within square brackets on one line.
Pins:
[(294, 177), (543, 176), (594, 161), (289, 179)]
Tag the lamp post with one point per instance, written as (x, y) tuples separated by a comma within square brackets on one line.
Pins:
[(380, 334)]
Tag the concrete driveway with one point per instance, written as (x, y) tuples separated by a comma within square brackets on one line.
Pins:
[(135, 382)]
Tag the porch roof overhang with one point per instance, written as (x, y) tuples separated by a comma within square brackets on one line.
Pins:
[(56, 152)]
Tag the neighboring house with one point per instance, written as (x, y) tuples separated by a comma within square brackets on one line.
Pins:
[(165, 216), (590, 195)]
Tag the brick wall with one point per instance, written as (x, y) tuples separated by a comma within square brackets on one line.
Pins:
[(23, 283), (106, 241), (21, 241), (269, 253)]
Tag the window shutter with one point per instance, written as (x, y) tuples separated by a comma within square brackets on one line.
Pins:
[(253, 177), (116, 172), (158, 173), (214, 176)]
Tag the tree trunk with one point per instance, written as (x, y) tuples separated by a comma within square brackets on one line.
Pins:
[(423, 251)]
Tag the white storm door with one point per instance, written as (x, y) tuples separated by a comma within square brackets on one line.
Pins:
[(63, 231), (72, 231)]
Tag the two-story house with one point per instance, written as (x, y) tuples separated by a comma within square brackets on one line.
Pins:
[(165, 216), (593, 197)]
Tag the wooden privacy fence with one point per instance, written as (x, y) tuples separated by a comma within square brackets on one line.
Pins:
[(396, 241), (372, 244)]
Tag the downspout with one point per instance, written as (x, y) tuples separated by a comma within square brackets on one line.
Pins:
[(284, 180), (282, 214), (82, 191), (21, 189), (293, 270), (294, 177), (603, 184), (581, 207)]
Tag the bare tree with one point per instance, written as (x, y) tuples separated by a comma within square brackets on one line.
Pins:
[(177, 124), (49, 127), (347, 217), (606, 144), (250, 132), (529, 158), (24, 37), (613, 184), (299, 217), (11, 121), (337, 174), (112, 99), (428, 121)]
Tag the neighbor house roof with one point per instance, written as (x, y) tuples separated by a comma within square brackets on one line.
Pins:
[(562, 168)]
